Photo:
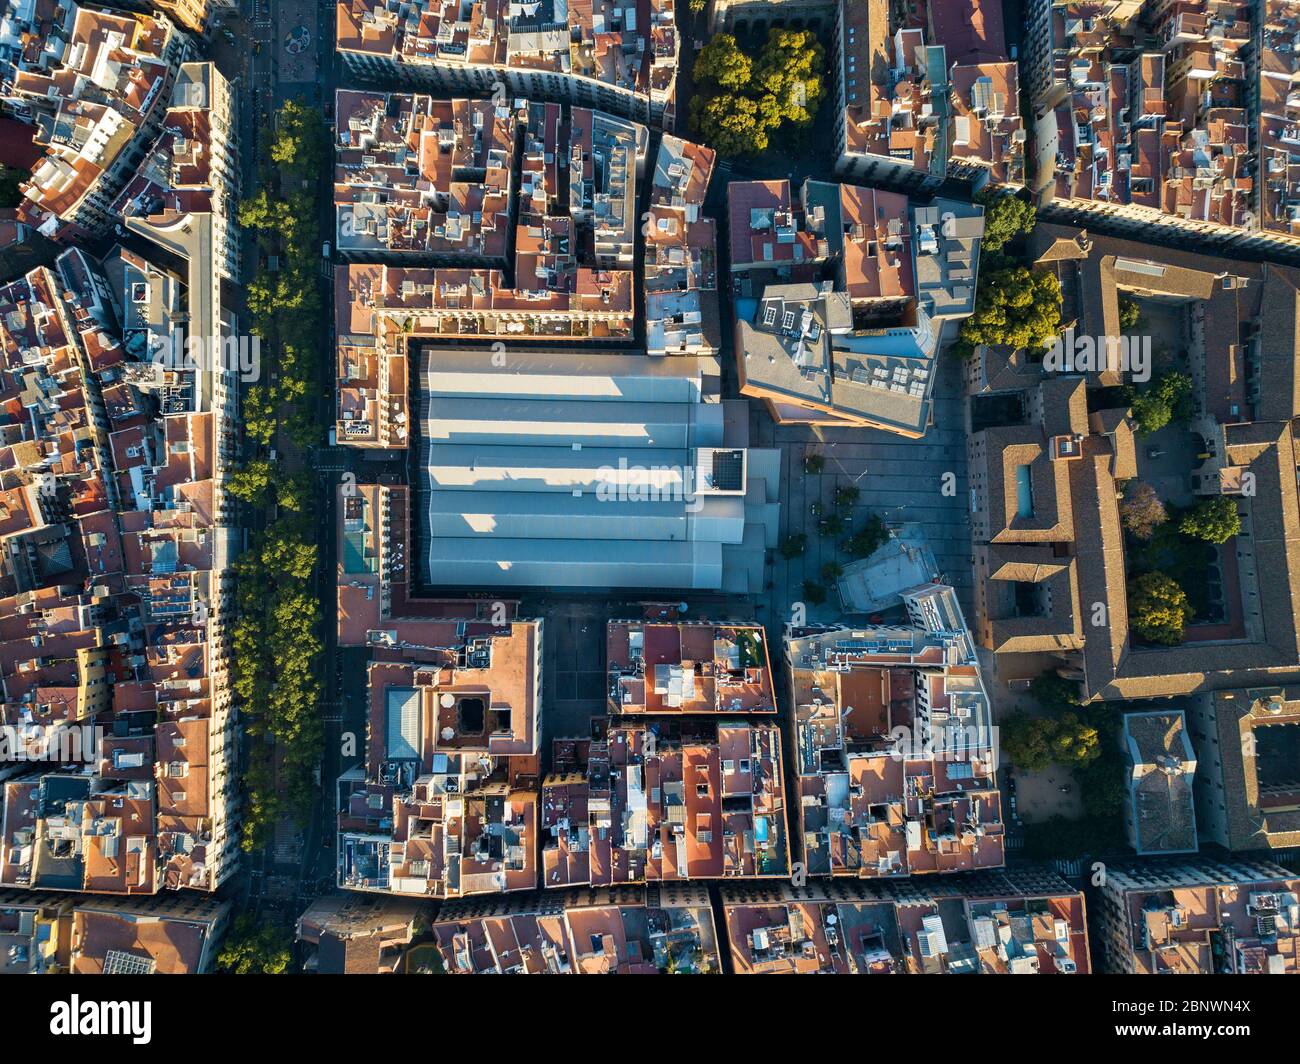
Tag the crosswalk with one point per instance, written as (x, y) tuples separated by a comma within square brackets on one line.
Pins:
[(1071, 869)]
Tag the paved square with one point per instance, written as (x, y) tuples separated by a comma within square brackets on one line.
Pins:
[(294, 18), (922, 481)]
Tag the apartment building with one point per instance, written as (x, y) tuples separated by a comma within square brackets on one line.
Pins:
[(1247, 791), (1198, 916), (126, 549), (32, 929), (665, 802), (197, 16), (785, 930), (617, 57), (446, 803), (601, 931), (688, 667), (419, 176), (1017, 922), (892, 747), (97, 85), (926, 96), (420, 180), (1273, 65), (681, 254), (114, 586), (1162, 133), (1174, 115), (192, 173), (769, 230), (1044, 472), (846, 298), (53, 933), (606, 156)]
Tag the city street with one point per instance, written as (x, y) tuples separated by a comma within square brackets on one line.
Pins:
[(266, 61)]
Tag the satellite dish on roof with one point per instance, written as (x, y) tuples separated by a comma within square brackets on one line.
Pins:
[(447, 700), (448, 734)]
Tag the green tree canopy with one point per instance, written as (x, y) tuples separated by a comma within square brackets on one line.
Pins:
[(1026, 741), (1164, 400), (721, 63), (1214, 520), (729, 123), (295, 492), (869, 539), (1015, 307), (1032, 743), (301, 143), (259, 413), (1005, 218), (1129, 313), (814, 593), (790, 69), (10, 179), (1158, 608), (1074, 741), (254, 948), (793, 546), (741, 100), (1101, 787), (283, 552), (1053, 691), (250, 482), (262, 210)]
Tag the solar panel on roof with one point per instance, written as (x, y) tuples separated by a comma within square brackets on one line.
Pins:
[(728, 470), (119, 962)]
